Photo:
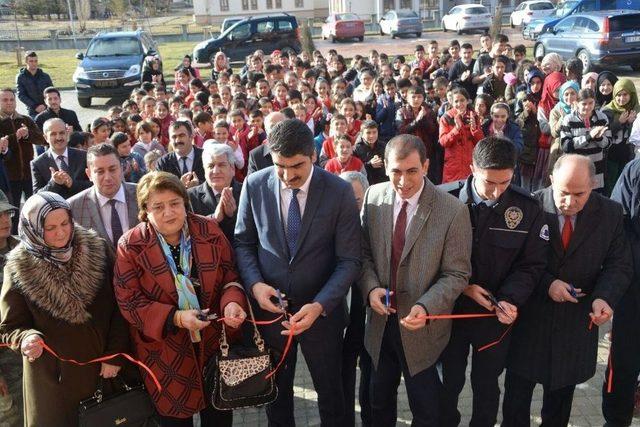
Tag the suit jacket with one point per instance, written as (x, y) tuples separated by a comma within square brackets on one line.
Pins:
[(434, 268), (552, 343), (41, 175), (169, 163), (147, 296), (327, 258), (204, 203), (259, 158), (85, 208)]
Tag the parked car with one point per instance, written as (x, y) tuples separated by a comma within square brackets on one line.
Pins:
[(529, 10), (268, 33), (340, 26), (597, 38), (539, 26), (112, 65), (399, 22), (467, 17)]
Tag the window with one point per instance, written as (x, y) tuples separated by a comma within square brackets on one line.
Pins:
[(245, 4), (269, 4), (565, 25), (299, 3), (241, 32), (265, 27), (285, 25), (224, 5), (278, 4), (254, 4)]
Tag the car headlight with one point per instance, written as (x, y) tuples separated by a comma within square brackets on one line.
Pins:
[(79, 74), (134, 70), (538, 28)]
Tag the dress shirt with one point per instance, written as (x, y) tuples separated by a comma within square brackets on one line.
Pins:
[(285, 199), (55, 158), (477, 199), (412, 207), (121, 207), (561, 221), (190, 160)]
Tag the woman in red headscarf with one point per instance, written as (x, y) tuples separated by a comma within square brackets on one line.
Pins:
[(549, 99)]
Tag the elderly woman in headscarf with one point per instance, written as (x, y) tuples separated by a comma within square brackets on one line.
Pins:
[(567, 97), (173, 271), (589, 81), (57, 289), (220, 65), (604, 88), (551, 63), (527, 118), (621, 111)]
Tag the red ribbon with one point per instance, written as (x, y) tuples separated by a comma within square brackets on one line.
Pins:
[(99, 360)]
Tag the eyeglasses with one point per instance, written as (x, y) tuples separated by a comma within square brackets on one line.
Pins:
[(7, 214)]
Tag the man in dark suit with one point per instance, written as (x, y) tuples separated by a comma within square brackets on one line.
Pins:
[(54, 109), (618, 397), (185, 161), (554, 342), (260, 157), (60, 169), (298, 233), (219, 195), (109, 207)]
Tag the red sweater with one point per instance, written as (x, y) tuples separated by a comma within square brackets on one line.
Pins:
[(335, 167), (458, 146)]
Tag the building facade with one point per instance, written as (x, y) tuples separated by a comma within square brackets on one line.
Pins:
[(207, 12)]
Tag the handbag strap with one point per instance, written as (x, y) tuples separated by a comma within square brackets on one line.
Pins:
[(257, 338)]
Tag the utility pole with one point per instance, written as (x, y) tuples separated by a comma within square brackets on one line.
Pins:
[(73, 27)]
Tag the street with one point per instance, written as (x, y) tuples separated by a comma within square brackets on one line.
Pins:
[(392, 47)]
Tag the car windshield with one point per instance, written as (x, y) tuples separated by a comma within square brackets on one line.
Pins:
[(476, 11), (565, 7), (114, 46), (541, 6), (347, 17), (407, 14), (623, 23)]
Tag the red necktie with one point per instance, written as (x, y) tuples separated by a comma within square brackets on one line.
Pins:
[(567, 230), (397, 247)]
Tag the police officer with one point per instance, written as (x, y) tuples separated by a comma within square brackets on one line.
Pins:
[(510, 240)]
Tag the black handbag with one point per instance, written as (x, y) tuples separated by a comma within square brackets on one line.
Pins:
[(237, 376), (131, 406)]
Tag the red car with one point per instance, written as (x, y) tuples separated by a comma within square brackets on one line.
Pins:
[(343, 26)]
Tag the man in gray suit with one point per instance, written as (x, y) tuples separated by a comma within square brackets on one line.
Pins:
[(109, 207), (426, 234)]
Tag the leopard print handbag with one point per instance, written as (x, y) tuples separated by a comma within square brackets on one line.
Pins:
[(237, 376)]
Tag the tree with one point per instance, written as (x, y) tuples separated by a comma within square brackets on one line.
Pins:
[(307, 40), (496, 25), (83, 13)]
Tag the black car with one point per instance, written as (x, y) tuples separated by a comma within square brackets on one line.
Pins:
[(112, 65), (268, 33)]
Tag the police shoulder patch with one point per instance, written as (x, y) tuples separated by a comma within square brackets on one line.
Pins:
[(544, 232)]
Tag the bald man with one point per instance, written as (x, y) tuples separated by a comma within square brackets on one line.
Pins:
[(555, 341), (260, 157)]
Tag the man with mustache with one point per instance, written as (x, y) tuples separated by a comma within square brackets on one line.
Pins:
[(186, 160)]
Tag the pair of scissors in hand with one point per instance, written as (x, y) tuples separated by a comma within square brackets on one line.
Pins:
[(495, 303)]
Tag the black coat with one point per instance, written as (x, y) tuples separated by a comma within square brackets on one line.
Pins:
[(259, 158), (364, 152), (552, 343), (169, 163), (68, 116), (30, 88), (203, 202), (41, 174)]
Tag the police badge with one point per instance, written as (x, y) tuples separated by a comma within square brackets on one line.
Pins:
[(512, 217)]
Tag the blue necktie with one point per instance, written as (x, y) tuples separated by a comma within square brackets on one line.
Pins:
[(294, 222)]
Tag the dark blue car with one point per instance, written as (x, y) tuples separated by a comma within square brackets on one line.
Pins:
[(112, 65)]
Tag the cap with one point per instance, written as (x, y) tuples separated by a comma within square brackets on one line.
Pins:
[(4, 203)]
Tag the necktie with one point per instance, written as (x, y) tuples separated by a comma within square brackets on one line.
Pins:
[(294, 222), (116, 225), (185, 169), (567, 230), (63, 164), (397, 246)]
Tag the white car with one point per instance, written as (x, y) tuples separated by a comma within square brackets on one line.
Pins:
[(466, 17), (527, 11)]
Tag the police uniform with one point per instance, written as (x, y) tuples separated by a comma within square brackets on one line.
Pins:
[(510, 242)]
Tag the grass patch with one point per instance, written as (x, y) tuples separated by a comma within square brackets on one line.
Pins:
[(60, 64)]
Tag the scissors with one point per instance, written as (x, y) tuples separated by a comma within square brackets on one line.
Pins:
[(573, 291), (205, 316), (282, 303), (494, 302)]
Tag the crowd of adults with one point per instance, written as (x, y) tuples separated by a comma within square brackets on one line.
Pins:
[(364, 200)]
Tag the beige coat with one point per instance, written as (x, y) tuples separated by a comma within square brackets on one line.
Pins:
[(434, 268)]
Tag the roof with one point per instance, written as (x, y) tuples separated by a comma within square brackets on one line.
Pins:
[(606, 13), (119, 33), (470, 5)]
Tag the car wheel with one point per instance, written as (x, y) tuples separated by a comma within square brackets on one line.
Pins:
[(323, 37), (84, 102), (458, 29), (444, 27), (511, 23), (418, 35), (393, 36), (381, 32), (333, 39), (538, 51), (361, 39), (583, 56)]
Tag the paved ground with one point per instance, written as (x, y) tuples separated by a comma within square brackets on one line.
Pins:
[(586, 410)]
